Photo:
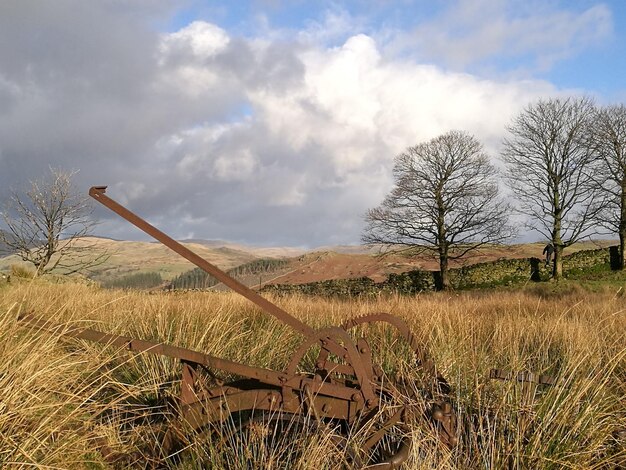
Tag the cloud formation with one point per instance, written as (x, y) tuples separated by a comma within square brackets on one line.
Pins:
[(212, 135), (470, 31)]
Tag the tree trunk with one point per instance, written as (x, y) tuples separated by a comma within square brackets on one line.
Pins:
[(622, 242), (622, 227), (557, 271), (444, 278)]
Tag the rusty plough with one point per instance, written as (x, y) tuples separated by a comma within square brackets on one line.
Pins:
[(345, 387)]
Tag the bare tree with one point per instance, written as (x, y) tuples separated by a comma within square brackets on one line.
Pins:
[(44, 225), (445, 201), (551, 170), (609, 143)]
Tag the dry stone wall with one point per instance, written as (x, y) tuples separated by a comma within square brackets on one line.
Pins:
[(503, 272)]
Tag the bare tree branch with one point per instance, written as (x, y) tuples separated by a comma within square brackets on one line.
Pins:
[(609, 145), (44, 224), (552, 171)]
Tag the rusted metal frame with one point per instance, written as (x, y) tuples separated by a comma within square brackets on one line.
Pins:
[(297, 387), (248, 395), (137, 345), (366, 356), (189, 383), (351, 356), (97, 192), (443, 413), (203, 412), (332, 400), (323, 406), (308, 342), (266, 376)]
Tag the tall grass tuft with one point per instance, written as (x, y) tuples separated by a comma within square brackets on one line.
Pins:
[(72, 404)]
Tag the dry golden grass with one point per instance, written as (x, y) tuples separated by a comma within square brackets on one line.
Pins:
[(65, 403)]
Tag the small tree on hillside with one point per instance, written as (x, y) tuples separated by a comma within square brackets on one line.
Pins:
[(552, 171), (445, 201), (609, 143), (43, 226)]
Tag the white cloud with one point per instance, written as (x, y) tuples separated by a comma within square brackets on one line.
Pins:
[(202, 39), (470, 31), (238, 166), (325, 143), (255, 139), (337, 24)]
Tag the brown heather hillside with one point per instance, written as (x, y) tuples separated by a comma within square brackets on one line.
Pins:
[(326, 263), (330, 264)]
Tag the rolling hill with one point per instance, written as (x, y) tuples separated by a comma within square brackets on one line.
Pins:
[(301, 266)]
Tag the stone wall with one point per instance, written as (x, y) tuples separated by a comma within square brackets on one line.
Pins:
[(503, 272)]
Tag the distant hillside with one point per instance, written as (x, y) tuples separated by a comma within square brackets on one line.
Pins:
[(257, 251), (352, 264), (126, 257), (248, 273), (297, 266), (585, 266)]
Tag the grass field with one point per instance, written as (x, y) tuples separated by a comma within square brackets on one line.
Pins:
[(71, 404)]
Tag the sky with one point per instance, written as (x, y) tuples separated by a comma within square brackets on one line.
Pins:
[(272, 122)]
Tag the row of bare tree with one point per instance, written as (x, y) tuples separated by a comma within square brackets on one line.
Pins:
[(565, 164)]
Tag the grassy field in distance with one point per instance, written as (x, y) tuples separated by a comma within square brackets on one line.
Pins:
[(67, 404)]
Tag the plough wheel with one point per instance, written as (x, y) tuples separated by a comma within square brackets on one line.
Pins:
[(432, 381), (420, 390), (431, 385), (380, 435)]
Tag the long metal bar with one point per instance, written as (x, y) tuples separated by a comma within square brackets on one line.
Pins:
[(97, 192), (267, 376)]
